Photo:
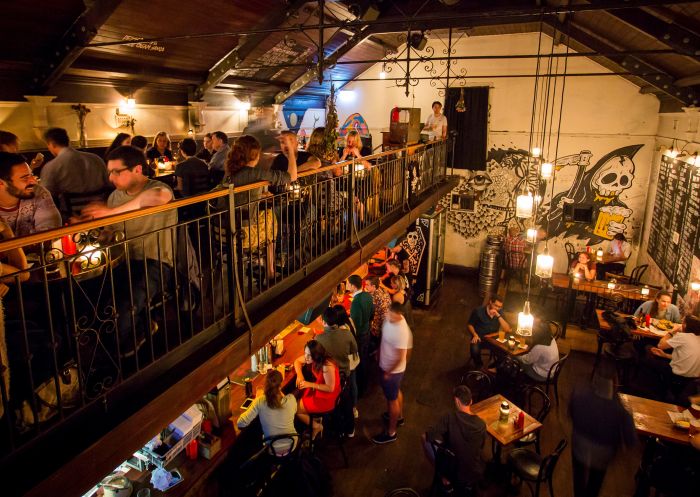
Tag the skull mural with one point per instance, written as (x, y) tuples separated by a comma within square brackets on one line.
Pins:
[(412, 239), (614, 176)]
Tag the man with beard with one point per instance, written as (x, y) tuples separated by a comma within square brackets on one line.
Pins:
[(25, 206)]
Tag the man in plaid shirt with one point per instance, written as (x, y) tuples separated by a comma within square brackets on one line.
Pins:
[(514, 246)]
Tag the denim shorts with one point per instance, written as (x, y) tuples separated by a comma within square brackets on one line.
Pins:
[(391, 385)]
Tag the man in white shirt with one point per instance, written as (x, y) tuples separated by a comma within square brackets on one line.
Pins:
[(394, 351), (436, 123), (614, 257)]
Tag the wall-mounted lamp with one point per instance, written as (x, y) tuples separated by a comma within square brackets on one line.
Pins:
[(124, 114)]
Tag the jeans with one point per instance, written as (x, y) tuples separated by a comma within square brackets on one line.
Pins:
[(475, 351)]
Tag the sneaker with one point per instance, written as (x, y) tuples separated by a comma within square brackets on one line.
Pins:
[(400, 422), (351, 434), (355, 413), (384, 438)]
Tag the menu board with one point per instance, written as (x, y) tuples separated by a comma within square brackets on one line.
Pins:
[(673, 236)]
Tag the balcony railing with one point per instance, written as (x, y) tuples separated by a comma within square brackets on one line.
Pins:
[(100, 304)]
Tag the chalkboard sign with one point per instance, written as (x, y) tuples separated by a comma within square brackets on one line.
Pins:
[(673, 235)]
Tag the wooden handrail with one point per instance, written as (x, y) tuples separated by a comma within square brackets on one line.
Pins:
[(57, 233)]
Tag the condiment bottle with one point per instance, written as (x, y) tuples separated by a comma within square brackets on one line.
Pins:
[(647, 320), (521, 421), (504, 412)]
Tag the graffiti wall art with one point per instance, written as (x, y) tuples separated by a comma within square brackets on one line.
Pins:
[(486, 199)]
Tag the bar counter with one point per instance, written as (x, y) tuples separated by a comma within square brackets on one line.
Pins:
[(197, 472)]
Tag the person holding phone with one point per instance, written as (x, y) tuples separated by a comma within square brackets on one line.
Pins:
[(275, 410), (484, 320)]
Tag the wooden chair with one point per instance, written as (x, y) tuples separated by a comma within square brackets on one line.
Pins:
[(531, 467), (553, 377), (554, 329), (634, 278), (538, 405), (479, 383), (570, 253)]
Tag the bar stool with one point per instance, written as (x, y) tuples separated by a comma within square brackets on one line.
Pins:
[(329, 418)]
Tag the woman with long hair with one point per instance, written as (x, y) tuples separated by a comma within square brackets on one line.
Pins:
[(160, 148), (583, 266), (275, 409), (660, 308), (320, 395), (120, 140), (259, 224)]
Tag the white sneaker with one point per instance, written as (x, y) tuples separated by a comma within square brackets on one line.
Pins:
[(355, 412), (351, 435)]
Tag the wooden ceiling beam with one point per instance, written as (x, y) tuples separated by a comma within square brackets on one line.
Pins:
[(682, 40), (231, 60), (636, 66), (65, 51)]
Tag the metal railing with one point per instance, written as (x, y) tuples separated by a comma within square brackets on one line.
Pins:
[(104, 300)]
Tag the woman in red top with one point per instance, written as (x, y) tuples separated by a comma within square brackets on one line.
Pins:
[(583, 266), (320, 395)]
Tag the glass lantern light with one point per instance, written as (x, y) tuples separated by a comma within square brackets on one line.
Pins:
[(577, 278), (645, 290), (599, 255), (536, 151), (544, 264), (524, 204), (531, 235), (546, 170), (695, 286), (525, 321)]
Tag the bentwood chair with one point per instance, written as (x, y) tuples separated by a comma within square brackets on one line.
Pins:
[(479, 383), (332, 424), (531, 467), (553, 377), (446, 469), (538, 404)]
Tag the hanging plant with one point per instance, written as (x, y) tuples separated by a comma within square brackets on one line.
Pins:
[(330, 136), (82, 111)]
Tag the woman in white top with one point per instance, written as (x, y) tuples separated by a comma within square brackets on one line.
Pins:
[(436, 123), (543, 353), (275, 409)]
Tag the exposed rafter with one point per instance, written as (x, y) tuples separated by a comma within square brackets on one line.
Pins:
[(651, 75), (221, 69), (683, 40), (72, 44)]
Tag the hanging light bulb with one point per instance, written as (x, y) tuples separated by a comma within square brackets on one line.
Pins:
[(523, 205), (461, 106), (382, 74), (536, 151), (531, 235), (693, 160), (673, 151), (695, 286), (546, 170), (525, 321), (645, 290), (544, 264), (599, 254)]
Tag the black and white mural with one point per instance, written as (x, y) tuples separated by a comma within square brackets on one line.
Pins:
[(486, 199)]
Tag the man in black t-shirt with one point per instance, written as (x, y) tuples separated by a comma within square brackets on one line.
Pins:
[(305, 162), (464, 434), (192, 174)]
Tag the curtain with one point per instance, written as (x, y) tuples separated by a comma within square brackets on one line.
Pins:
[(470, 128)]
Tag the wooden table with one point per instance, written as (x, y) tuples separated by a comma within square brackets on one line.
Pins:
[(491, 341), (503, 433), (651, 418), (645, 333), (597, 288)]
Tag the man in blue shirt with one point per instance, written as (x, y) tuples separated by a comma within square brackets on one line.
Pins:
[(484, 320)]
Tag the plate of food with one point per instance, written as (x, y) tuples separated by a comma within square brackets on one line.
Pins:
[(664, 324)]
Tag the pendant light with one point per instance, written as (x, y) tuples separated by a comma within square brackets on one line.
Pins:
[(524, 204), (531, 235), (546, 170), (545, 263), (525, 321), (536, 151), (599, 254)]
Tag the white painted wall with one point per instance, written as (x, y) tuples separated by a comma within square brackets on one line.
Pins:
[(600, 114), (101, 125)]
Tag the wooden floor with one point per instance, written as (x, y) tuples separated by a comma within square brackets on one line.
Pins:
[(439, 358)]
